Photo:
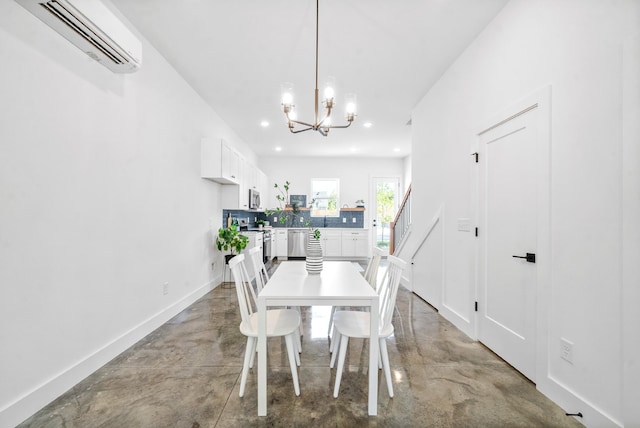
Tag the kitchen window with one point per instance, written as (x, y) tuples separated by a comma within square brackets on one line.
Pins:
[(324, 197)]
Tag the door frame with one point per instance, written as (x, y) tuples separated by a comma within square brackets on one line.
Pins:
[(372, 197), (540, 100)]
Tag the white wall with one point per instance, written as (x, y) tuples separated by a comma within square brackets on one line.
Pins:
[(354, 175), (587, 50), (101, 204), (406, 166)]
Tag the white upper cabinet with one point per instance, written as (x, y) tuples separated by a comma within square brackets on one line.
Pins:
[(250, 176), (219, 162), (263, 188)]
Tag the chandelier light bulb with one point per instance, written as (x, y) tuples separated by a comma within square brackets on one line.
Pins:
[(350, 107), (328, 93), (329, 89), (286, 95), (287, 98)]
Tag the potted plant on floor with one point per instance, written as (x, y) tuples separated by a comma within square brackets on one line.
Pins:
[(230, 239)]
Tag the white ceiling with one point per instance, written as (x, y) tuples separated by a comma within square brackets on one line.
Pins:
[(236, 53)]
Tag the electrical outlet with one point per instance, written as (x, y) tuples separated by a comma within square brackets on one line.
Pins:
[(464, 225), (566, 350), (165, 288), (353, 220), (344, 219), (301, 220), (275, 219)]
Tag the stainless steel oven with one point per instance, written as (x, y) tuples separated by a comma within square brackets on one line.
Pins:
[(266, 247)]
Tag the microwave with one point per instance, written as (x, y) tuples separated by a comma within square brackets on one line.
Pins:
[(254, 199)]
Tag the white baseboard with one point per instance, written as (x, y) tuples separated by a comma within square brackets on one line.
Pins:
[(573, 403), (25, 406)]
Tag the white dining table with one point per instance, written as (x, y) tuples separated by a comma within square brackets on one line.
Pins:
[(339, 284)]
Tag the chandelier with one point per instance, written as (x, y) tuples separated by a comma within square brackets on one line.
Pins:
[(321, 125)]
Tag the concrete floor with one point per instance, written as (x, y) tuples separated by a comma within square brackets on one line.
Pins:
[(187, 374)]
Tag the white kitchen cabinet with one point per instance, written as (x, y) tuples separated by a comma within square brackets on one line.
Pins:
[(355, 243), (331, 242), (236, 196), (282, 242), (219, 162), (250, 176), (263, 188)]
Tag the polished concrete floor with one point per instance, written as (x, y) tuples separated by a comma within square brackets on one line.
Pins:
[(187, 374)]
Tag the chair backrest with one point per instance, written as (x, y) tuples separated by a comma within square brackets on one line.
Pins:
[(388, 289), (244, 289), (259, 270), (371, 274)]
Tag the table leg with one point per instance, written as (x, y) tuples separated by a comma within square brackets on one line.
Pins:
[(262, 357), (373, 358)]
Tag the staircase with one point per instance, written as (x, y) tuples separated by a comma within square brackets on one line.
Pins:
[(400, 225)]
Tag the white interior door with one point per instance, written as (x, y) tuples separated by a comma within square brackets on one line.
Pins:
[(508, 232), (385, 193)]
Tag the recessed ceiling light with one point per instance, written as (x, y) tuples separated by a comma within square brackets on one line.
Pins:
[(396, 150), (367, 124), (353, 149), (278, 149), (264, 123)]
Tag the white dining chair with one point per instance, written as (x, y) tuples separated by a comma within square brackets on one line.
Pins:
[(356, 323), (259, 269), (262, 277), (280, 323), (371, 275)]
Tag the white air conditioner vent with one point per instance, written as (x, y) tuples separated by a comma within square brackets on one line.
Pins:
[(93, 28)]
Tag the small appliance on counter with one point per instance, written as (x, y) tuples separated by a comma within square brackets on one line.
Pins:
[(243, 223)]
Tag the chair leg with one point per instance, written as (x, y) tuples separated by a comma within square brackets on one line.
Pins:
[(248, 356), (385, 363), (299, 339), (291, 351), (296, 347), (254, 351), (336, 348), (344, 343), (329, 331), (333, 339)]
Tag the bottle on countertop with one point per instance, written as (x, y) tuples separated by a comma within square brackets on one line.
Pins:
[(229, 220)]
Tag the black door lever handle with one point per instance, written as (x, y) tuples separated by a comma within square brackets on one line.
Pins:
[(530, 257)]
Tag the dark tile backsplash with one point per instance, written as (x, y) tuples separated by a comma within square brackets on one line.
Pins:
[(294, 220)]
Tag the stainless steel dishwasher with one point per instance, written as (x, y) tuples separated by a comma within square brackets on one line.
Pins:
[(297, 243)]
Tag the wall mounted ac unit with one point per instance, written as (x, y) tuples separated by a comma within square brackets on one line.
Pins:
[(93, 28)]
